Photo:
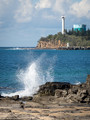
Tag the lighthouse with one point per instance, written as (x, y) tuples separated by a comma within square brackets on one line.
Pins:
[(63, 25)]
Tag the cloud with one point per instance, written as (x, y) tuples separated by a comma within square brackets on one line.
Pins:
[(56, 8), (48, 16), (81, 9), (62, 6), (43, 4), (78, 8), (59, 6), (24, 11)]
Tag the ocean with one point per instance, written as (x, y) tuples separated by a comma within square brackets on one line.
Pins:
[(22, 71)]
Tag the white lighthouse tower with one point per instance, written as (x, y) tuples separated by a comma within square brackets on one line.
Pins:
[(63, 24)]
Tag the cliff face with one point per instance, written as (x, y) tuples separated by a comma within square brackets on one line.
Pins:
[(50, 44)]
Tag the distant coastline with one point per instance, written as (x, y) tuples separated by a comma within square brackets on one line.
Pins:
[(66, 48), (36, 48)]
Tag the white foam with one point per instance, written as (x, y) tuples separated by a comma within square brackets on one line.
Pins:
[(77, 83), (32, 77), (17, 48)]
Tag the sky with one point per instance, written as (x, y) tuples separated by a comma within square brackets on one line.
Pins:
[(24, 22)]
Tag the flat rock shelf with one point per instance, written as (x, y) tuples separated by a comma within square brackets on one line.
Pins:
[(53, 101)]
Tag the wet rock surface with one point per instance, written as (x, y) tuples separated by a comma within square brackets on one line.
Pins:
[(75, 93), (50, 87), (53, 101)]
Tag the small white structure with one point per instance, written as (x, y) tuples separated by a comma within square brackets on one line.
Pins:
[(68, 45), (63, 25)]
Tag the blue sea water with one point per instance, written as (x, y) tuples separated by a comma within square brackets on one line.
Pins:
[(22, 71)]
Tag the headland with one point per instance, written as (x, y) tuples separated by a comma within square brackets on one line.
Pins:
[(67, 41)]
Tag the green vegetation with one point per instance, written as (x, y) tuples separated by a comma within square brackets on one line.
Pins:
[(74, 38)]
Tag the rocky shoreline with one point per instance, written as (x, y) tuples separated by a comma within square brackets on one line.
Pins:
[(53, 101), (67, 48), (74, 48)]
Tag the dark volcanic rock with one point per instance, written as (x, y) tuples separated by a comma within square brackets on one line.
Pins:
[(26, 98), (60, 93), (76, 93), (88, 81), (88, 84), (80, 93), (50, 87), (16, 97)]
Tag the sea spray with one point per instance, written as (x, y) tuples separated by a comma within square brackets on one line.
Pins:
[(34, 75)]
